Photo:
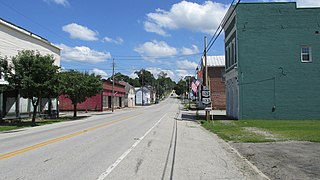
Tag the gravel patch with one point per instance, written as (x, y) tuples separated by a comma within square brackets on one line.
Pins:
[(283, 160)]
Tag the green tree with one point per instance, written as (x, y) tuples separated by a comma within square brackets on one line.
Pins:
[(33, 75), (180, 87), (184, 85), (79, 86), (121, 77), (146, 77), (164, 84)]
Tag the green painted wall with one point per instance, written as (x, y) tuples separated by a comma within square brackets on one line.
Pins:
[(270, 36)]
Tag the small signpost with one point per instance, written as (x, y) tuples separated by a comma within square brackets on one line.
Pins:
[(205, 95), (206, 100)]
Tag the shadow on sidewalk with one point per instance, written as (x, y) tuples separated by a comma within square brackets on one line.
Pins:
[(192, 116), (185, 116)]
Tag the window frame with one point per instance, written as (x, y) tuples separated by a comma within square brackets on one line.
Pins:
[(303, 54)]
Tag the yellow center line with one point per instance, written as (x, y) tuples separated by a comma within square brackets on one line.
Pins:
[(36, 146)]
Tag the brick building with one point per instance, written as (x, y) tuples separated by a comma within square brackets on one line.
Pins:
[(216, 69), (100, 102)]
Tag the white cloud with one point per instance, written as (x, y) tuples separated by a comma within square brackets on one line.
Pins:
[(155, 71), (133, 75), (186, 65), (77, 31), (152, 49), (204, 17), (60, 2), (100, 72), (300, 3), (82, 54), (153, 27), (182, 73), (119, 40), (188, 51)]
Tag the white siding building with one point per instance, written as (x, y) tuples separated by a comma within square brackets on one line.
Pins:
[(145, 98), (12, 40)]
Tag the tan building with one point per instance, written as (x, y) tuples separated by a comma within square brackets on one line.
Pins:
[(12, 40)]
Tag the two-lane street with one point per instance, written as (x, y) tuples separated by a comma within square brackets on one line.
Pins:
[(151, 142), (80, 149)]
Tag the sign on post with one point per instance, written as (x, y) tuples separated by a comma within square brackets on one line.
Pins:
[(206, 101), (205, 95)]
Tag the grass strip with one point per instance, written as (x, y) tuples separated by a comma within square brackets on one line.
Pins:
[(280, 130)]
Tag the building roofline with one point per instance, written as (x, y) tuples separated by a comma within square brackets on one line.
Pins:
[(115, 82), (27, 32)]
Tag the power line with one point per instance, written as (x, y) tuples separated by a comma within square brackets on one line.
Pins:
[(35, 22), (219, 29), (220, 24), (153, 57)]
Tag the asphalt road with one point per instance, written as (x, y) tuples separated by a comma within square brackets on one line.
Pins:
[(150, 142)]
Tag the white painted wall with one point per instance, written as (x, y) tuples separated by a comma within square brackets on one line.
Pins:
[(131, 98), (146, 96), (14, 39)]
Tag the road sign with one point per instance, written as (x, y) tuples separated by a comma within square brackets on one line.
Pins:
[(205, 88), (206, 101), (205, 93)]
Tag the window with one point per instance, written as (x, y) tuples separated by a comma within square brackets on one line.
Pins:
[(227, 58), (231, 54), (306, 54)]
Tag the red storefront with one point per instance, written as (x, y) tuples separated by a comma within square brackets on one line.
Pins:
[(99, 102)]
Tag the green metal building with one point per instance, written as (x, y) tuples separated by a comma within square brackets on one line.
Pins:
[(272, 55)]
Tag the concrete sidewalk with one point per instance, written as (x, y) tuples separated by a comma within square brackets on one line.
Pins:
[(198, 154), (202, 155)]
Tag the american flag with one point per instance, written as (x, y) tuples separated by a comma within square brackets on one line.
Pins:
[(194, 86)]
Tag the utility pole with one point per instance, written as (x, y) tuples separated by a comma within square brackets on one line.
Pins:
[(142, 88), (112, 97), (189, 92), (205, 62), (205, 82)]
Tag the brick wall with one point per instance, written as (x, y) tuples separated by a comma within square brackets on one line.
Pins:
[(93, 103), (217, 88)]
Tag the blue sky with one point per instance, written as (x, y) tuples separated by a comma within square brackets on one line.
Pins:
[(156, 35)]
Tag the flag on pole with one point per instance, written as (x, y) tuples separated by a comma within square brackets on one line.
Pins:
[(194, 86)]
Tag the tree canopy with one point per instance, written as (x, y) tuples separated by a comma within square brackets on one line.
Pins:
[(79, 86), (146, 77), (121, 77), (33, 75)]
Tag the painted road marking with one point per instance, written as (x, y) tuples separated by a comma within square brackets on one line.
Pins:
[(115, 164), (36, 146)]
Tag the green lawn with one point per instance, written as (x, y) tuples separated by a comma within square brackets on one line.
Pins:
[(7, 126), (265, 130)]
